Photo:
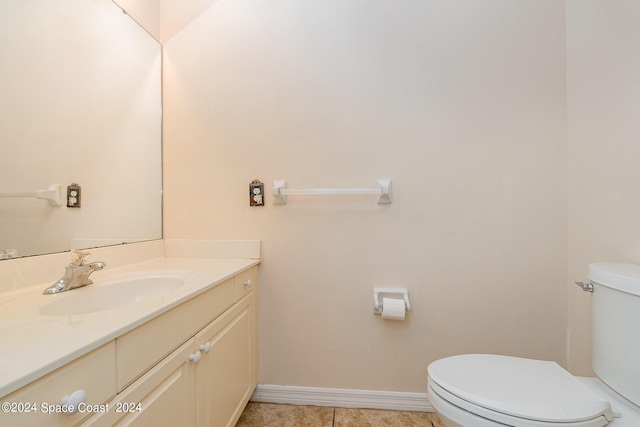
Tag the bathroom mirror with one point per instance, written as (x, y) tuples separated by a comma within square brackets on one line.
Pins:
[(80, 84)]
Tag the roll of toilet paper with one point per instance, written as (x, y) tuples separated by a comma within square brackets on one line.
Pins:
[(393, 308)]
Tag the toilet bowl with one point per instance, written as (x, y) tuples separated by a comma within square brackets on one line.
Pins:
[(485, 390), (488, 390)]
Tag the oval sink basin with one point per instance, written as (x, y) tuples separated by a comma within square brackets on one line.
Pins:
[(116, 292)]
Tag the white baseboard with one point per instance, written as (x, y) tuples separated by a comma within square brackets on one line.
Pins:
[(343, 398)]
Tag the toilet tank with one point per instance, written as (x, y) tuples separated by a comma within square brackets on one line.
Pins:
[(616, 326)]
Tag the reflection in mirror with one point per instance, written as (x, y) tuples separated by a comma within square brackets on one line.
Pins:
[(80, 84)]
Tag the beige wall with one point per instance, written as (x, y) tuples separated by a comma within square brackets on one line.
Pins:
[(164, 18), (461, 104), (603, 57)]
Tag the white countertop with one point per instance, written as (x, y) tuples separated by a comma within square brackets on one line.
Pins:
[(34, 344)]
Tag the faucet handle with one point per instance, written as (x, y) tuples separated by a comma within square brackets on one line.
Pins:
[(78, 257)]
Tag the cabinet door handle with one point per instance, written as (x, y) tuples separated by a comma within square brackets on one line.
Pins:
[(195, 357), (206, 347), (247, 283), (72, 401)]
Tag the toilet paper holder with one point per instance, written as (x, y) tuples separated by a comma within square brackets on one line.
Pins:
[(380, 293)]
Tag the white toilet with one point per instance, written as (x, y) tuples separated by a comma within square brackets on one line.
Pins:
[(486, 390)]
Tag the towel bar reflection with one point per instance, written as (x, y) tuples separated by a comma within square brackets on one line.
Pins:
[(52, 194), (280, 191)]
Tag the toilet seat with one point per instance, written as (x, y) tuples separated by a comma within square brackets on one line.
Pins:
[(516, 391)]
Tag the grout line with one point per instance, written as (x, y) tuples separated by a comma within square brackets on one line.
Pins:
[(333, 421)]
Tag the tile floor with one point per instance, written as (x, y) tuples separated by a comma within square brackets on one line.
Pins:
[(276, 415)]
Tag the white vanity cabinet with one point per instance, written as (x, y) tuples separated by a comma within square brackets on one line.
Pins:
[(224, 375), (194, 365), (208, 380), (146, 345), (227, 373)]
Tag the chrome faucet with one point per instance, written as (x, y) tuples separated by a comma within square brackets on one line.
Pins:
[(76, 275)]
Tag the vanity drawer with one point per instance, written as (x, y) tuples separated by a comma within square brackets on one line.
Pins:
[(146, 345), (94, 373), (245, 282)]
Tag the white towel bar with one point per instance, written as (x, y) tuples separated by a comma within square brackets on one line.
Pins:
[(52, 194), (280, 191)]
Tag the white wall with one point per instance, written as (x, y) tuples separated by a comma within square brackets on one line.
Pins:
[(603, 57), (461, 104)]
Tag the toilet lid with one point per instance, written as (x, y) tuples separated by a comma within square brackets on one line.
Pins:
[(530, 389)]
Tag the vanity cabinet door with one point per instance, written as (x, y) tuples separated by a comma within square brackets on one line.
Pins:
[(164, 396), (225, 375)]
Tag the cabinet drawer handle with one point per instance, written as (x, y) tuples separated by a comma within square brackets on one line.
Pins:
[(247, 283), (195, 357), (72, 401), (206, 347)]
